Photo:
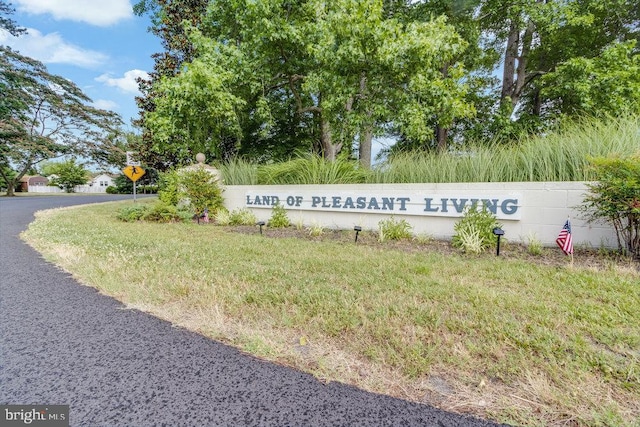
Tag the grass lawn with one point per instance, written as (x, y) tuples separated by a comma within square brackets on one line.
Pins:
[(512, 340)]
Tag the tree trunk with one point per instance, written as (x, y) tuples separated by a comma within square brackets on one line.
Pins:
[(366, 131), (329, 150), (10, 189), (510, 56), (527, 40), (364, 149), (441, 138)]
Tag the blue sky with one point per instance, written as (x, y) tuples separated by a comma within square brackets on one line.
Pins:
[(100, 45)]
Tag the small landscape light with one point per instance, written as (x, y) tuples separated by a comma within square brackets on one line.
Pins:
[(498, 232), (357, 229), (261, 223)]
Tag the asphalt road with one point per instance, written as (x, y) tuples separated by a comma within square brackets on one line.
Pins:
[(64, 344)]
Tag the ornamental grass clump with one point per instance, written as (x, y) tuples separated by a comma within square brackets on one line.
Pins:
[(242, 217), (392, 229), (312, 170)]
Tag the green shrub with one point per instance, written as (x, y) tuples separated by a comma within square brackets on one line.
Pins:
[(131, 213), (168, 184), (196, 189), (615, 198), (112, 190), (279, 218), (200, 188), (163, 212), (242, 217), (474, 231), (391, 229)]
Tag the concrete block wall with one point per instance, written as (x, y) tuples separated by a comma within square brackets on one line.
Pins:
[(432, 209)]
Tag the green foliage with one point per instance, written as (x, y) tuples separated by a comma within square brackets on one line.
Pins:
[(167, 18), (312, 170), (162, 212), (132, 213), (534, 245), (168, 185), (392, 229), (200, 189), (196, 188), (7, 23), (562, 155), (315, 230), (607, 84), (222, 217), (242, 217), (474, 231), (147, 189), (615, 198), (470, 241), (237, 217), (112, 190), (123, 184), (263, 79), (312, 75), (45, 116), (69, 174), (279, 218), (239, 172)]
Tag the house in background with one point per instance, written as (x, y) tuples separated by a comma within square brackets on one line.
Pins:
[(33, 181), (100, 183)]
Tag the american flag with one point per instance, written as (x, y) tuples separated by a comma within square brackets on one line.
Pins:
[(564, 239)]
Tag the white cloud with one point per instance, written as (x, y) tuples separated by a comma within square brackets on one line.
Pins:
[(101, 13), (127, 83), (52, 49), (105, 104)]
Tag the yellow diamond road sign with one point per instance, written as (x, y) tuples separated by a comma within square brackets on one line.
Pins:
[(133, 172)]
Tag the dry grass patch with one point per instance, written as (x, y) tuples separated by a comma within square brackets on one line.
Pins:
[(508, 339)]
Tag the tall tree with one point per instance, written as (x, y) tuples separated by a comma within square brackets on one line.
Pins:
[(43, 116), (538, 36), (345, 68), (167, 17)]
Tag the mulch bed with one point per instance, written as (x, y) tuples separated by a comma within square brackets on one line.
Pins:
[(550, 256)]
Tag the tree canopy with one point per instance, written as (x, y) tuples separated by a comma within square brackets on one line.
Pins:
[(43, 116), (268, 78)]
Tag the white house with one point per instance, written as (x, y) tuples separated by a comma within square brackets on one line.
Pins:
[(100, 183)]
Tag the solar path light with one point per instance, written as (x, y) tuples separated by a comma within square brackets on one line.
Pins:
[(357, 229), (261, 223), (498, 232)]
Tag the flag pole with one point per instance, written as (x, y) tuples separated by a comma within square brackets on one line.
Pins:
[(569, 221)]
